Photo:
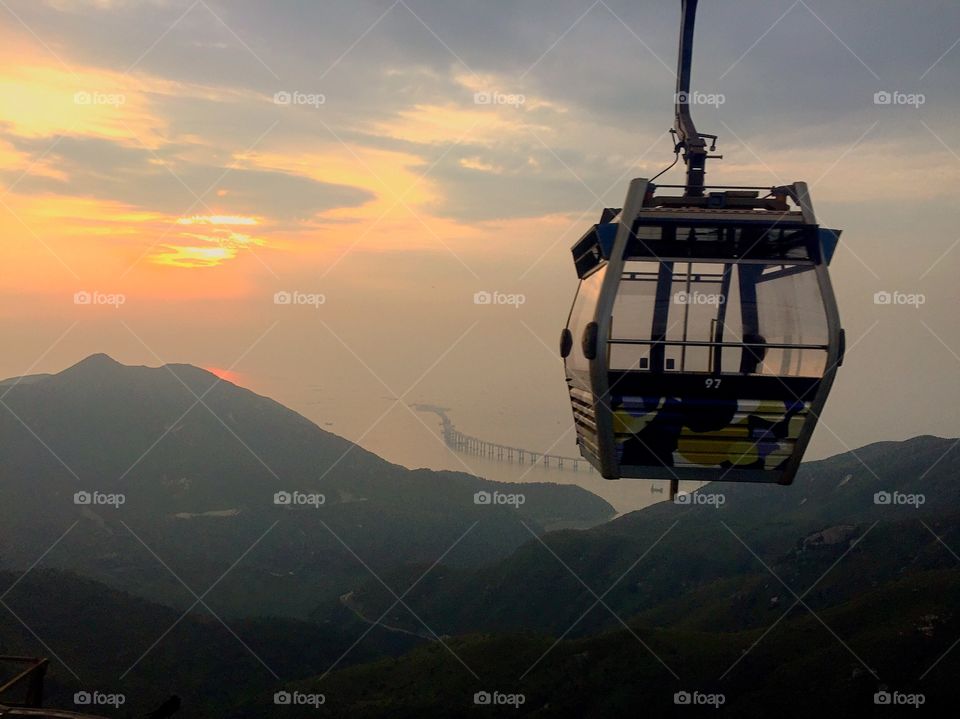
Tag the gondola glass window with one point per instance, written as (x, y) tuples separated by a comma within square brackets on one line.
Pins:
[(719, 318)]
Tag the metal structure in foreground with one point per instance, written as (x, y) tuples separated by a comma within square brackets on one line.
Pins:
[(21, 690)]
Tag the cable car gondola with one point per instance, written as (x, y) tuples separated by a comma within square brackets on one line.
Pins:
[(704, 335)]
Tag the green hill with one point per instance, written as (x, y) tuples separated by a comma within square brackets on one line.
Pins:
[(198, 461), (100, 639), (886, 640), (656, 558)]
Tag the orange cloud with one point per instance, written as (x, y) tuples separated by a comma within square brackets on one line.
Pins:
[(217, 220), (104, 242)]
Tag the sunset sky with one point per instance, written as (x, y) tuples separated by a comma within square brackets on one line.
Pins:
[(183, 161)]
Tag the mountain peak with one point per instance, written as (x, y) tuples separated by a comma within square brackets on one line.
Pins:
[(101, 366), (95, 364), (99, 359)]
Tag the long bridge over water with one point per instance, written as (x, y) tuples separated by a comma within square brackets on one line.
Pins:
[(467, 444)]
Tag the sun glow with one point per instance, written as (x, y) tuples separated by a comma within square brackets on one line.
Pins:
[(217, 220)]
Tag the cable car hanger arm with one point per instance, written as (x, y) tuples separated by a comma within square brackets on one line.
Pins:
[(692, 142)]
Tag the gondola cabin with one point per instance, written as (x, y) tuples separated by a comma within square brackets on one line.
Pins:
[(704, 335)]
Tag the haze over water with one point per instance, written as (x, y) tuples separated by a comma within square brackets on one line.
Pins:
[(401, 438)]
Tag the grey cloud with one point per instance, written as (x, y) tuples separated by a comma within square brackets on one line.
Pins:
[(105, 170), (787, 79)]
